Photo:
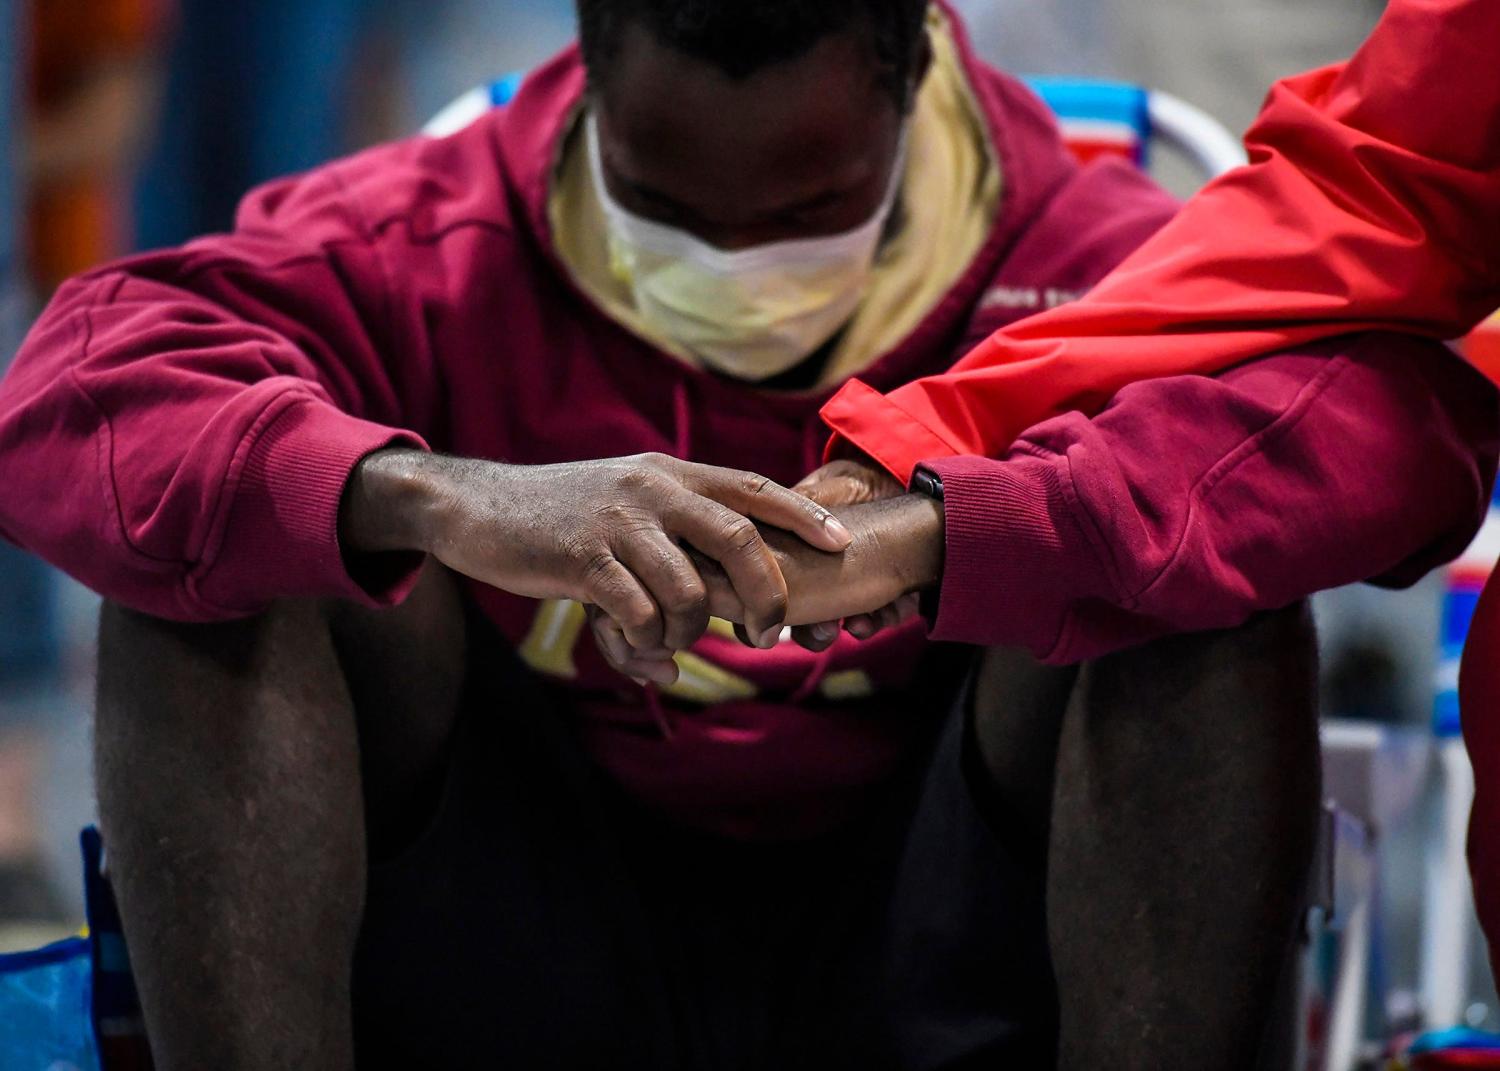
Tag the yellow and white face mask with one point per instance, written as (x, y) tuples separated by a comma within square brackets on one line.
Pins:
[(751, 314)]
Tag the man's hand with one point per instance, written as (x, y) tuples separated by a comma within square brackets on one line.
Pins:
[(897, 551), (850, 482), (613, 534)]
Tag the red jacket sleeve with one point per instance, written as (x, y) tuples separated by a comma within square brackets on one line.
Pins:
[(178, 429), (1372, 201), (1169, 511)]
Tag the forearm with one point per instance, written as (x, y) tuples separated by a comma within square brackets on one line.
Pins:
[(1371, 202), (1193, 503), (179, 439)]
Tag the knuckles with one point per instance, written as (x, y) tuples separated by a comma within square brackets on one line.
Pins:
[(774, 605), (742, 536), (598, 567), (689, 599), (639, 616), (639, 480)]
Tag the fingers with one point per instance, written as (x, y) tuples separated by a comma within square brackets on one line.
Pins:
[(827, 487), (848, 483), (673, 583), (834, 491), (908, 607), (838, 483), (615, 590), (898, 613), (816, 638), (644, 667), (742, 634), (737, 545), (862, 626), (723, 601), (765, 500)]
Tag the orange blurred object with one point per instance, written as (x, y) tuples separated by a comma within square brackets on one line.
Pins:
[(76, 216), (70, 37)]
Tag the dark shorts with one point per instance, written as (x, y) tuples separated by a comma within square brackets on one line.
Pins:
[(544, 921)]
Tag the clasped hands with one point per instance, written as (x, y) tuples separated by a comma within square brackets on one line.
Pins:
[(656, 547)]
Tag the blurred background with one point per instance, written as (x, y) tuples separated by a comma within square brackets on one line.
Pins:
[(130, 124)]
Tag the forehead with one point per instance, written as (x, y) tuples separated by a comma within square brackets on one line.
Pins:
[(675, 122)]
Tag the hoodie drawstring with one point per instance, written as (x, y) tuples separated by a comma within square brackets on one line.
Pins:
[(659, 713), (815, 676)]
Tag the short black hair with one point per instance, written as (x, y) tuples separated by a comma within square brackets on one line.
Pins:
[(741, 37)]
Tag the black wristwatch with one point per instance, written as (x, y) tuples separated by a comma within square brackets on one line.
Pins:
[(926, 482)]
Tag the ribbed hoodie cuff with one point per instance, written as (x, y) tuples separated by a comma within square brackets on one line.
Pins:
[(281, 537), (1015, 557)]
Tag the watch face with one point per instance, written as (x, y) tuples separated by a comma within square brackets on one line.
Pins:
[(927, 483)]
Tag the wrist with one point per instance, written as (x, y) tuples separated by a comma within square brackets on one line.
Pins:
[(921, 563), (900, 544), (391, 503)]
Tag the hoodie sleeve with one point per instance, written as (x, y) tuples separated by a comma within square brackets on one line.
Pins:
[(177, 430), (1371, 201), (1193, 502)]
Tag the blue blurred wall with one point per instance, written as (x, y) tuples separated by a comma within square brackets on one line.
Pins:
[(263, 89), (28, 633), (254, 90)]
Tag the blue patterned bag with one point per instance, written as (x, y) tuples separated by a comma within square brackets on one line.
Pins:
[(46, 1009), (72, 1006)]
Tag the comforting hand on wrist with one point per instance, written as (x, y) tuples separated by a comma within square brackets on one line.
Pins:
[(611, 534), (897, 551)]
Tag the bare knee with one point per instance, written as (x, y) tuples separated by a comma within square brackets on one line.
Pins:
[(1225, 721), (411, 656), (149, 658), (197, 698), (1232, 695), (394, 676), (1272, 654), (190, 704)]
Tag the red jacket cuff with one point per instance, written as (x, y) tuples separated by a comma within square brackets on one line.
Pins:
[(281, 537), (875, 424), (1016, 559)]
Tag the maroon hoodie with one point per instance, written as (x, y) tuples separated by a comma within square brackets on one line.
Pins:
[(179, 427)]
